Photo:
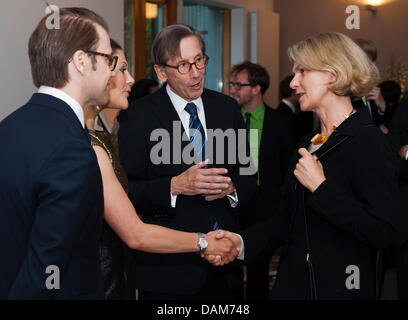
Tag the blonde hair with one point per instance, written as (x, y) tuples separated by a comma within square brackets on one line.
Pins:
[(334, 52)]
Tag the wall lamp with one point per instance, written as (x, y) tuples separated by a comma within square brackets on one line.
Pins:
[(371, 8)]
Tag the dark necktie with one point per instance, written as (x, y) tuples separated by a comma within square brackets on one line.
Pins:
[(197, 138), (248, 120), (196, 131)]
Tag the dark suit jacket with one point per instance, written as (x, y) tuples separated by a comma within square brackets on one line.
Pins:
[(349, 215), (149, 187), (378, 118), (51, 203), (398, 137), (303, 121), (276, 149)]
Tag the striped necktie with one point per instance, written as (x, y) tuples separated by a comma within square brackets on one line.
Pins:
[(196, 131), (197, 138)]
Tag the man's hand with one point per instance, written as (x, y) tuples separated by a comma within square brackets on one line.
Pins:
[(384, 129), (225, 239), (231, 189), (376, 95), (403, 151), (197, 180), (309, 171)]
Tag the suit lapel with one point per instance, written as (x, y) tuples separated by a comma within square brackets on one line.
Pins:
[(167, 115), (334, 139), (265, 137), (212, 115)]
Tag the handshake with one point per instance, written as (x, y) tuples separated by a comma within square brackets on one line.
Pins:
[(223, 247)]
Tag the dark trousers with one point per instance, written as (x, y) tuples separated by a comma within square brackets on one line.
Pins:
[(257, 285), (216, 287)]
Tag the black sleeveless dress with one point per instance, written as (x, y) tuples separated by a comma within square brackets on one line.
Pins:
[(116, 258)]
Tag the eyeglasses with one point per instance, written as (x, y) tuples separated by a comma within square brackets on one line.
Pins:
[(238, 86), (112, 60), (185, 67)]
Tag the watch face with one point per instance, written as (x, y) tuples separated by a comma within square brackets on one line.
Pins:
[(203, 243)]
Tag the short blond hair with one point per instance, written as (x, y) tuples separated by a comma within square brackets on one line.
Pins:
[(355, 73)]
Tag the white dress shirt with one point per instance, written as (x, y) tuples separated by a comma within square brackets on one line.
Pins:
[(179, 104), (59, 94)]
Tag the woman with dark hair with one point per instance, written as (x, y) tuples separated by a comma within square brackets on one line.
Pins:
[(123, 229), (141, 88)]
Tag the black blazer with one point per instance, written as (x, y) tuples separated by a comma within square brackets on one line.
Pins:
[(51, 203), (349, 215), (149, 186), (303, 120), (276, 149), (398, 137)]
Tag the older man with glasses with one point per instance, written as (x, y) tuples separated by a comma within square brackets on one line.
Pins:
[(175, 192)]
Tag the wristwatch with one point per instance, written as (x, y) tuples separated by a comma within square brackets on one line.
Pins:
[(202, 242)]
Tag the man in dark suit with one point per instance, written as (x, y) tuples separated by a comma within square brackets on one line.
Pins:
[(289, 104), (51, 200), (164, 134), (374, 101), (398, 138), (271, 148)]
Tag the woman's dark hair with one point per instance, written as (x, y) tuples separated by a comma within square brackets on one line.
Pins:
[(141, 88)]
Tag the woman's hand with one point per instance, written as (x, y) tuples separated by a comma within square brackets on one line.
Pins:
[(309, 170)]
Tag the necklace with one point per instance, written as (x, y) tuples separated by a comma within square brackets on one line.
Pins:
[(348, 115), (320, 139)]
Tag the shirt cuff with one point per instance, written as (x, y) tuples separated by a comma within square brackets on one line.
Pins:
[(233, 199), (241, 254), (173, 200)]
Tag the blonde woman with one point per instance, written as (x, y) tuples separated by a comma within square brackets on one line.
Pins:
[(341, 196)]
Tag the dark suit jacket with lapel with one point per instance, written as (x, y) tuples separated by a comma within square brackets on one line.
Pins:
[(376, 116), (398, 137), (149, 187), (353, 211), (276, 149), (303, 121), (51, 204)]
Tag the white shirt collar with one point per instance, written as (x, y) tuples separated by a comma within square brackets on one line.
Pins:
[(59, 94), (290, 105), (179, 103)]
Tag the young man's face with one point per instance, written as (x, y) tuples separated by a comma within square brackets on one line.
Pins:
[(242, 94), (101, 72)]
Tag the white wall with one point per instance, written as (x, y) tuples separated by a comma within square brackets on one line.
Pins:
[(263, 47), (18, 18)]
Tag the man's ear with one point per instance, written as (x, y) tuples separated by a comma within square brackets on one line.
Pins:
[(161, 74), (80, 60), (256, 90)]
